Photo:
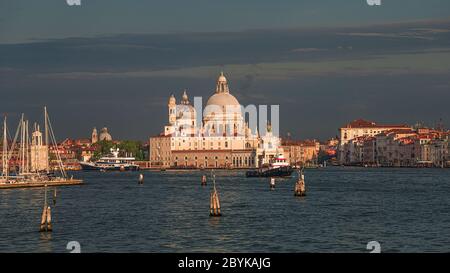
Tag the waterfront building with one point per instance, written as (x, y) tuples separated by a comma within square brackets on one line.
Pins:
[(360, 128), (400, 147), (221, 138), (301, 152)]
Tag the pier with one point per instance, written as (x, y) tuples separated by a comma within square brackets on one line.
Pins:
[(16, 185)]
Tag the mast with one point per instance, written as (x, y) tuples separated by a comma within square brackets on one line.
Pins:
[(49, 130), (5, 162), (34, 146), (22, 147), (46, 138), (27, 148)]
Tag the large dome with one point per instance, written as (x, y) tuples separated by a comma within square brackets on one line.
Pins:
[(222, 103), (222, 99)]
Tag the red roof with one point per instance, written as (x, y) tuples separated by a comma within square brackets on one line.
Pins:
[(299, 142), (361, 123)]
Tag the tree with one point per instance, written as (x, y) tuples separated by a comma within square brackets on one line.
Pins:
[(102, 148)]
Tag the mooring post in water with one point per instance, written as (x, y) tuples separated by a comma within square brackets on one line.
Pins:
[(141, 178), (43, 220), (272, 183), (214, 203), (300, 189), (46, 218), (49, 219), (54, 197), (204, 180)]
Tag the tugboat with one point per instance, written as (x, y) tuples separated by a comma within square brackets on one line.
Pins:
[(278, 167), (111, 162)]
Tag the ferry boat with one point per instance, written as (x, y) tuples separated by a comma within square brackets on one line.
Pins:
[(279, 167), (111, 162)]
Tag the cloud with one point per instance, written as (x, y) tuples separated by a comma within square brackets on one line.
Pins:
[(137, 55), (306, 71), (306, 50), (424, 63)]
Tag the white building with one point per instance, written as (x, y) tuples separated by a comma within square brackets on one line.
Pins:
[(222, 140)]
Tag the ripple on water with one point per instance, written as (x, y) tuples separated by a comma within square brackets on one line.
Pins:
[(406, 210)]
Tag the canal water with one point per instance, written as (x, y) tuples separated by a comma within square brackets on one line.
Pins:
[(405, 210)]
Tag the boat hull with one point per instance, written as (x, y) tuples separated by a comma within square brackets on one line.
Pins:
[(93, 167), (284, 171)]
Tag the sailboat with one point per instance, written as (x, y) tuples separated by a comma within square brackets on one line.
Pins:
[(32, 168)]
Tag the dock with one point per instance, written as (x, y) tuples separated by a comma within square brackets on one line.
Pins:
[(53, 183)]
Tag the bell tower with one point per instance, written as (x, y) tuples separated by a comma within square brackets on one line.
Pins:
[(172, 109), (94, 136)]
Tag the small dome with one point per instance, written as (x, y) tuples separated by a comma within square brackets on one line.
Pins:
[(104, 135), (186, 111), (185, 98), (172, 99)]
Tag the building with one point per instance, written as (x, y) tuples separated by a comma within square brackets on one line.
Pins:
[(360, 128), (398, 147), (219, 137), (38, 152), (104, 135), (94, 136), (301, 153)]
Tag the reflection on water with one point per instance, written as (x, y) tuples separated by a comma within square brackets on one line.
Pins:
[(45, 242), (406, 210), (214, 222)]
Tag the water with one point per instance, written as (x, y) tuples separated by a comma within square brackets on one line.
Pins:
[(405, 210)]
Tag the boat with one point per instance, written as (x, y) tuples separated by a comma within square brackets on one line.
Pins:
[(111, 162), (278, 167), (31, 159)]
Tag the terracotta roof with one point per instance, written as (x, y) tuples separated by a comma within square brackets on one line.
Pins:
[(299, 142), (361, 123)]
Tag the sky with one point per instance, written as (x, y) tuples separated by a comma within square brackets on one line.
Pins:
[(115, 63)]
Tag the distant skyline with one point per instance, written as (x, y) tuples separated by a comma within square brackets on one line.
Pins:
[(115, 63)]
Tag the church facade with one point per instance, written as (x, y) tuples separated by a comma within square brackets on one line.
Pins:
[(220, 138)]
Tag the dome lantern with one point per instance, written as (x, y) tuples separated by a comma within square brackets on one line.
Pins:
[(185, 98), (222, 84)]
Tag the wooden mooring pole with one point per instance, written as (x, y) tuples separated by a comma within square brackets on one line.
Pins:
[(300, 189), (46, 218), (214, 202)]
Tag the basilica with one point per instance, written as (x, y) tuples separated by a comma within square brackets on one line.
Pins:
[(218, 137)]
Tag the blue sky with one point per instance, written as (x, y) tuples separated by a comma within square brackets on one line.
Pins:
[(114, 63)]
